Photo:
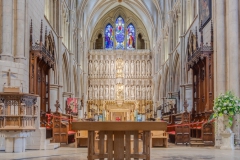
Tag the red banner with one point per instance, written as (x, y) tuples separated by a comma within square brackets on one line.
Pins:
[(72, 104)]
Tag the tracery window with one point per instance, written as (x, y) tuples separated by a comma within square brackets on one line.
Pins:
[(120, 35), (130, 37), (109, 37)]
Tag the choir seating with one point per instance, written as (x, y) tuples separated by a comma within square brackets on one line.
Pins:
[(202, 129), (178, 127), (61, 128)]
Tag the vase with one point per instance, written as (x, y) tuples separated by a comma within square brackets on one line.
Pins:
[(227, 135)]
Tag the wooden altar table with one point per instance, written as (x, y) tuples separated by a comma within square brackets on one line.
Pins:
[(118, 146)]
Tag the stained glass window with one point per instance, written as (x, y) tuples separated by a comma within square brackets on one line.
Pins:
[(120, 35), (109, 37), (130, 37)]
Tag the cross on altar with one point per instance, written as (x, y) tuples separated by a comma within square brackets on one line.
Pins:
[(85, 115), (185, 105), (9, 74), (118, 119)]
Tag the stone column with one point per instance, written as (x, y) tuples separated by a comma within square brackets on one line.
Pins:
[(20, 30), (182, 56), (233, 47), (170, 48), (7, 19), (221, 58), (163, 50)]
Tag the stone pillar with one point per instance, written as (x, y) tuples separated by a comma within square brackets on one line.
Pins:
[(9, 145), (170, 48), (182, 56), (19, 144), (221, 55), (7, 19), (103, 43), (20, 30), (163, 50), (233, 47)]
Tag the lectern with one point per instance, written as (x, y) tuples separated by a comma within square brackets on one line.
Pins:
[(118, 145)]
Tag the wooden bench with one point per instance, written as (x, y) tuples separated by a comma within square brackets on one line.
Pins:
[(159, 138)]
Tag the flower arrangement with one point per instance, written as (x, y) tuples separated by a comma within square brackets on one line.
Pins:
[(228, 105)]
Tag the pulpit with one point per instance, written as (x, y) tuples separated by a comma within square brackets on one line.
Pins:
[(118, 145)]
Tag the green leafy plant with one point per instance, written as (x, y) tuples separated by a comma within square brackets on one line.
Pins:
[(228, 105)]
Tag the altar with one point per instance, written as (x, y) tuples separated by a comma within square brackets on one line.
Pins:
[(118, 138)]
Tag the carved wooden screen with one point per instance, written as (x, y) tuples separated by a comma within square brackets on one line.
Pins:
[(201, 62), (41, 61)]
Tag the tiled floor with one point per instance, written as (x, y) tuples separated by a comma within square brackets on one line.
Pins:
[(172, 153)]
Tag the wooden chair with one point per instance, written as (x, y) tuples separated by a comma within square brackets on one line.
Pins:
[(159, 138)]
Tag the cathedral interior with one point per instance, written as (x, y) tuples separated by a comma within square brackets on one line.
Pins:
[(163, 61)]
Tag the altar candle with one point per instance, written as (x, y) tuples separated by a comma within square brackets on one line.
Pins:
[(98, 111)]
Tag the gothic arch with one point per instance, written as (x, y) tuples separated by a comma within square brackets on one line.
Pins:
[(109, 20), (119, 13), (96, 33)]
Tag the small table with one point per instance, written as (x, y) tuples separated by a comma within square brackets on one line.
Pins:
[(118, 135)]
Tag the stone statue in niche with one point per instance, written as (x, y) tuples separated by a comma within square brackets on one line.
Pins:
[(112, 68), (132, 92), (143, 92), (107, 68), (138, 92), (143, 68), (112, 92), (127, 92), (101, 92), (132, 68), (104, 67), (95, 92), (148, 68), (90, 92), (106, 92), (90, 67), (96, 67), (148, 92), (138, 68), (126, 68), (101, 68)]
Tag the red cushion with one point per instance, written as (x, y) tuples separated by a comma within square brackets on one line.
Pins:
[(172, 132), (71, 132)]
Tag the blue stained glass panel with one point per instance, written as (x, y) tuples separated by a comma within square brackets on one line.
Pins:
[(109, 37), (120, 35), (130, 37)]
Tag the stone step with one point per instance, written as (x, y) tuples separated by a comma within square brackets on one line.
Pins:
[(197, 144), (52, 146), (195, 139)]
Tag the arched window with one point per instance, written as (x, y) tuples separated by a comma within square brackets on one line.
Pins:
[(120, 35), (109, 37), (130, 37)]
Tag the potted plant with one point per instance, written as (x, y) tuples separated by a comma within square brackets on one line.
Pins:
[(226, 105)]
